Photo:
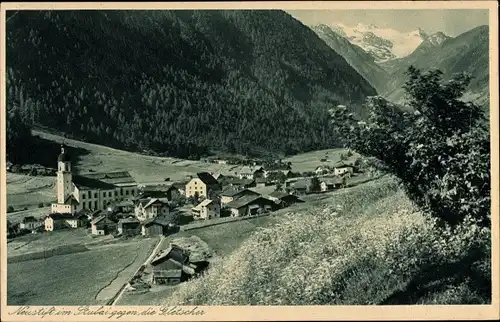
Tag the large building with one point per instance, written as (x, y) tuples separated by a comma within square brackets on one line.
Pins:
[(93, 191), (202, 185)]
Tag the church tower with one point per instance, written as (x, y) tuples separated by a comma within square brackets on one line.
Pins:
[(63, 176)]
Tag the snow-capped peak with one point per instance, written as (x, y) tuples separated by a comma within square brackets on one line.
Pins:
[(382, 43), (438, 38)]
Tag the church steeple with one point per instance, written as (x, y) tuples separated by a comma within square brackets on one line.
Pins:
[(64, 177)]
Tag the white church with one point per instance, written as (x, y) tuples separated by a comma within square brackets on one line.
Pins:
[(93, 191)]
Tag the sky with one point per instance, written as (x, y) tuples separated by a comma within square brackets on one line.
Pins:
[(450, 21)]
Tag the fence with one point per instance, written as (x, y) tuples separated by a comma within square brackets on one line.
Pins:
[(219, 221), (61, 250)]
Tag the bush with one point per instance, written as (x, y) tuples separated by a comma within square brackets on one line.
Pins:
[(440, 151), (10, 209), (40, 205)]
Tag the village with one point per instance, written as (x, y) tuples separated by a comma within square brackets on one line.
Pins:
[(113, 204)]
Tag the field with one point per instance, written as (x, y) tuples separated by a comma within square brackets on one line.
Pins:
[(309, 161), (87, 278), (46, 240), (27, 191)]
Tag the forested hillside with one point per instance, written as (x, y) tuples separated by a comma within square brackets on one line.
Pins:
[(360, 60), (179, 82)]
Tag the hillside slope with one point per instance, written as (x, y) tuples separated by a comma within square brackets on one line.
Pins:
[(359, 59), (180, 82), (369, 245), (468, 52)]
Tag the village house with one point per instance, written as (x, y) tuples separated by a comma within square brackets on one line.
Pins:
[(90, 191), (241, 183), (171, 266), (342, 168), (284, 199), (31, 223), (254, 172), (102, 225), (202, 185), (250, 205), (327, 184), (229, 195), (57, 221), (174, 265), (207, 209), (150, 208), (129, 226), (155, 227), (218, 176), (301, 186), (159, 191), (321, 170), (88, 214), (260, 182), (125, 206)]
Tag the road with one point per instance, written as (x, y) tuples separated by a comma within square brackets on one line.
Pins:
[(148, 260)]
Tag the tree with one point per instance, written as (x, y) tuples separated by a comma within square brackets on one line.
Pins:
[(315, 184), (439, 151)]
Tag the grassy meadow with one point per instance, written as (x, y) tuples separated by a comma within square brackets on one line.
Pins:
[(47, 240), (367, 245), (88, 278)]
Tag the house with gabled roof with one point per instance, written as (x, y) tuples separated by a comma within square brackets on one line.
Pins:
[(156, 227), (207, 209), (251, 172), (102, 225), (149, 208), (56, 221), (342, 168), (327, 184), (202, 185), (250, 205), (284, 199), (231, 194), (31, 223), (129, 226), (174, 265)]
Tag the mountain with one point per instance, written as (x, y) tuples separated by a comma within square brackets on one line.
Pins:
[(383, 44), (468, 52), (180, 83), (359, 59), (430, 43)]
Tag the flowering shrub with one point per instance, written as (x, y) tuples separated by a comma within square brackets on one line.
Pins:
[(440, 150), (362, 249)]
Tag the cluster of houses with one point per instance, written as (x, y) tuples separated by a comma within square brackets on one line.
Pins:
[(113, 203)]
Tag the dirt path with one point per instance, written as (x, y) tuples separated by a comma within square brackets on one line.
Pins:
[(105, 294)]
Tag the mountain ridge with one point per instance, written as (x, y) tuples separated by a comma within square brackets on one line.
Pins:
[(360, 60)]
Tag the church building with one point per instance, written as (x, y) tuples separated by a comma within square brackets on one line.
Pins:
[(94, 191)]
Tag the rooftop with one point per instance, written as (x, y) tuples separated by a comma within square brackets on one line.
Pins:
[(278, 194), (206, 178), (129, 220), (233, 192), (61, 216), (243, 201)]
